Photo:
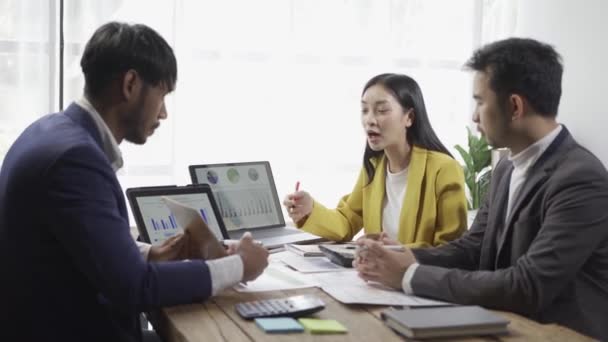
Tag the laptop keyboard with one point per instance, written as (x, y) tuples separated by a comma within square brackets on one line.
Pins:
[(267, 233)]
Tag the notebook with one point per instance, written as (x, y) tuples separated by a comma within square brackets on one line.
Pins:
[(444, 322), (248, 201)]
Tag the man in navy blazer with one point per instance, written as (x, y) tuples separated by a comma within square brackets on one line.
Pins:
[(539, 244), (71, 270)]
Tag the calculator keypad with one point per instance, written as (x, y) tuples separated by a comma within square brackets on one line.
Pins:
[(291, 306)]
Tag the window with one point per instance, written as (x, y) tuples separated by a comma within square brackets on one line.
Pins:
[(27, 52), (276, 80)]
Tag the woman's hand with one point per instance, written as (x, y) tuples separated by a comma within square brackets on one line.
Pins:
[(298, 205)]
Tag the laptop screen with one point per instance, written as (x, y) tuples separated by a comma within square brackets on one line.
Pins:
[(245, 193), (154, 220)]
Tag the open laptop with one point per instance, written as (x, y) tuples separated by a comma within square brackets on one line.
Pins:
[(156, 223), (248, 201)]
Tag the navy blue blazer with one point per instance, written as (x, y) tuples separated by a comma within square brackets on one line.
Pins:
[(70, 269)]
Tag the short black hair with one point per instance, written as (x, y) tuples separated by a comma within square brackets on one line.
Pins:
[(117, 47), (525, 67)]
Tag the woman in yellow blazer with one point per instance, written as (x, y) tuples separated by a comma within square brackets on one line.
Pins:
[(410, 188)]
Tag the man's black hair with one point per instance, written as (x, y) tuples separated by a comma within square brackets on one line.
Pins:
[(117, 47), (525, 67)]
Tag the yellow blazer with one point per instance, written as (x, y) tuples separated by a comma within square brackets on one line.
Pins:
[(434, 208)]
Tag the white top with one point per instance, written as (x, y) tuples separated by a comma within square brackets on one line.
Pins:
[(521, 164), (224, 272), (395, 188), (109, 144)]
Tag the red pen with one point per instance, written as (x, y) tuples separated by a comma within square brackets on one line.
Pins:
[(294, 200)]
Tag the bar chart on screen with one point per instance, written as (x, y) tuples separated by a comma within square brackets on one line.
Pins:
[(161, 224), (244, 209)]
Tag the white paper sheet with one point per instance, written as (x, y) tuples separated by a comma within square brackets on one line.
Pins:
[(184, 214), (311, 264), (348, 288), (277, 276)]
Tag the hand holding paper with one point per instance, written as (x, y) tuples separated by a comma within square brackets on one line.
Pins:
[(201, 243), (170, 249)]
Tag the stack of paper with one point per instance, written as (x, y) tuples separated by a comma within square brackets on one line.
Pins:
[(279, 325), (322, 326)]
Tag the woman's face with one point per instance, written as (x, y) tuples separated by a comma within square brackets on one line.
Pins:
[(384, 120)]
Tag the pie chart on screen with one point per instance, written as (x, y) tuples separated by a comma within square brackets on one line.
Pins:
[(233, 175), (212, 177), (253, 174)]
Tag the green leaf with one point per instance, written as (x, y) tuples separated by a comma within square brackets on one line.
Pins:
[(466, 157), (469, 179), (470, 138), (477, 167), (481, 159)]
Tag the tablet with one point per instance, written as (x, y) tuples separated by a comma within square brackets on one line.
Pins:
[(154, 220)]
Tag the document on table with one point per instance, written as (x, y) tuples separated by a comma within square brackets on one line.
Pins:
[(277, 276), (310, 264), (348, 288)]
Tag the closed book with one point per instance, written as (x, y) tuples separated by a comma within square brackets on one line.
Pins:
[(445, 322)]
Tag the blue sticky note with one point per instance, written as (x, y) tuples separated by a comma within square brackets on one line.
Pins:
[(279, 325)]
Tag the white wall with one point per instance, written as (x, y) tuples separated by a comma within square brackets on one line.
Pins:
[(579, 31)]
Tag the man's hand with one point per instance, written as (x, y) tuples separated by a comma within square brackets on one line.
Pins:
[(201, 243), (169, 250), (254, 256), (379, 264)]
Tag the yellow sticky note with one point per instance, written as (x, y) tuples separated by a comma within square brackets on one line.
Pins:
[(322, 326)]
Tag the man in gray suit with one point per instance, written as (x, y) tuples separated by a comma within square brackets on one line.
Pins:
[(539, 244)]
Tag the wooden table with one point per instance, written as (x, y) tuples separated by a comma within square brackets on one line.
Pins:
[(217, 320)]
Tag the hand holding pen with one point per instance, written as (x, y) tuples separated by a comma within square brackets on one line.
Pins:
[(298, 205)]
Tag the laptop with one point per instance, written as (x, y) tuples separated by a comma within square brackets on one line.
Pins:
[(248, 201), (155, 222)]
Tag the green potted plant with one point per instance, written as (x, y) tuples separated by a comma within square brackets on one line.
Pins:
[(477, 173)]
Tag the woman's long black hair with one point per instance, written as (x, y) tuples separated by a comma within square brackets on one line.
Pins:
[(421, 133)]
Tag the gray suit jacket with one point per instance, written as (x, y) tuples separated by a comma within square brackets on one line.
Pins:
[(548, 260)]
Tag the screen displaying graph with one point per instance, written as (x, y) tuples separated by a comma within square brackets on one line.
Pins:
[(244, 194), (246, 209), (161, 224)]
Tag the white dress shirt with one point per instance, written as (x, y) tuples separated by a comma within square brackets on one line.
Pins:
[(224, 272), (521, 164), (395, 188)]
